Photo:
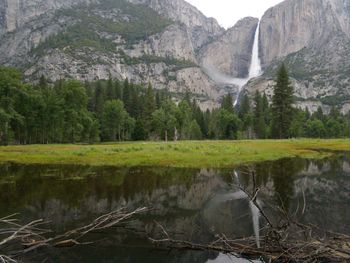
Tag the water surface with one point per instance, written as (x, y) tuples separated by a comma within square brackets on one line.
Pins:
[(192, 204)]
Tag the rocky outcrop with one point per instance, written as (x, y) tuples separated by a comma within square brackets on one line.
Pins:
[(57, 64), (294, 24), (305, 95), (16, 13), (174, 42), (166, 59), (201, 28), (231, 53), (312, 38), (15, 47)]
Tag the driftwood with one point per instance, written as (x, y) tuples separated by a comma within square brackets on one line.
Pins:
[(335, 249), (287, 241), (17, 239)]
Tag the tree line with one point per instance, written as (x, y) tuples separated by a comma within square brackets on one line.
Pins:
[(280, 120), (70, 111)]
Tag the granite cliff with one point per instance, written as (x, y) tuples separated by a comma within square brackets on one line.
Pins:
[(312, 37), (145, 41), (172, 45)]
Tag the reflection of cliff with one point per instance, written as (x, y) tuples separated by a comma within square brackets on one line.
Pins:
[(327, 201), (191, 204), (227, 215), (176, 200), (325, 183), (64, 197)]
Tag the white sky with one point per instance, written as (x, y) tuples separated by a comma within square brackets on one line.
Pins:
[(228, 12)]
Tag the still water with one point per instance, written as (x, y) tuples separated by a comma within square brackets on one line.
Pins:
[(192, 204)]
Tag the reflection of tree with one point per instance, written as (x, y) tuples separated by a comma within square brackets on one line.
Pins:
[(336, 165), (28, 184), (283, 174), (262, 174), (319, 164), (25, 185), (261, 171)]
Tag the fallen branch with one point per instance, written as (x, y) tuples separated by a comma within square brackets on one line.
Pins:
[(286, 241), (17, 239), (333, 249)]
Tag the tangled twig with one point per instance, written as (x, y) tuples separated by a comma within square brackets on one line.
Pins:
[(17, 239), (288, 241)]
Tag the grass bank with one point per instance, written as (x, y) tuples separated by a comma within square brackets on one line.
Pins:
[(191, 154)]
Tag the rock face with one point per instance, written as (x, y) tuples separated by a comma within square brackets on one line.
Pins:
[(172, 45), (295, 24), (231, 53), (174, 42), (201, 28), (312, 38), (166, 57), (15, 13)]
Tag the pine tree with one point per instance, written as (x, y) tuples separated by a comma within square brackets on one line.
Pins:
[(334, 113), (110, 92), (297, 127), (318, 114), (206, 119), (99, 99), (266, 109), (140, 132), (259, 117), (195, 131), (227, 103), (43, 83), (118, 90), (150, 102), (135, 106), (282, 100), (246, 117), (244, 107), (126, 95), (158, 100)]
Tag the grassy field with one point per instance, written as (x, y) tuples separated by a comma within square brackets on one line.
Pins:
[(192, 154)]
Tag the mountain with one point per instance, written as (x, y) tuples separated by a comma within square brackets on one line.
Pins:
[(172, 45), (231, 52), (200, 28), (312, 37), (144, 41), (168, 43)]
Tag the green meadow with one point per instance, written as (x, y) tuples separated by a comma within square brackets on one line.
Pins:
[(189, 154)]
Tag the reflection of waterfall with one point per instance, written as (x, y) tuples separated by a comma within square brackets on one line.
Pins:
[(255, 216), (235, 196), (255, 213), (255, 66), (223, 202)]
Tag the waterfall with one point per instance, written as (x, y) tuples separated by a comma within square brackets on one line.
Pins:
[(255, 65), (254, 69)]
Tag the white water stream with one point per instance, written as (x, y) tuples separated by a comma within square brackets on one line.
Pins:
[(240, 195), (255, 65), (254, 69)]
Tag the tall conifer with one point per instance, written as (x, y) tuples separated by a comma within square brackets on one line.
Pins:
[(282, 100)]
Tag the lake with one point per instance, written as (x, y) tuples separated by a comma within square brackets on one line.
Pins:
[(191, 204)]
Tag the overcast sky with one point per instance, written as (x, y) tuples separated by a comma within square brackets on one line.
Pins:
[(228, 12)]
